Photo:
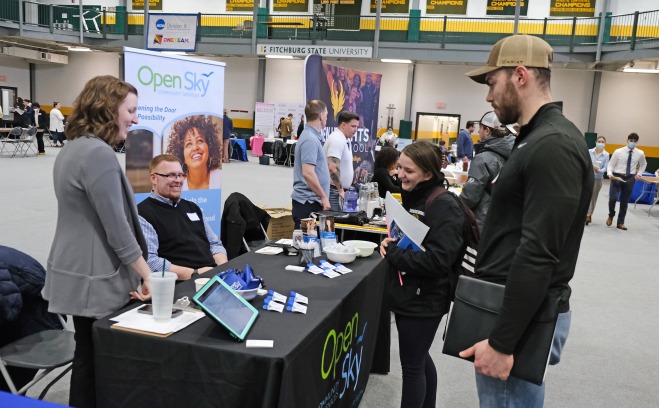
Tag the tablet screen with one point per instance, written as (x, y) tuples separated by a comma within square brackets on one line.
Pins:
[(226, 307)]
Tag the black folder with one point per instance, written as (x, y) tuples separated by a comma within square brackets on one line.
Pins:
[(472, 318)]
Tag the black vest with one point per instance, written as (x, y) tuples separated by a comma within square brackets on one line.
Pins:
[(180, 240)]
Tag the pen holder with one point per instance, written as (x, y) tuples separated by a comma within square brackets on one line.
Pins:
[(305, 256)]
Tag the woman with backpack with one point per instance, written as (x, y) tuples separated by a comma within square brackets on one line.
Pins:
[(419, 287)]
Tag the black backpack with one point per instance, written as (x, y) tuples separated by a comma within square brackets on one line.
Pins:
[(470, 235)]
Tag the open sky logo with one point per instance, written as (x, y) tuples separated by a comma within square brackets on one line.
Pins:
[(342, 355), (196, 83), (160, 23), (157, 39)]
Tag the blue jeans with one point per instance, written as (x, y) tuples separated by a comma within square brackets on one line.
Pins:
[(335, 200), (516, 393)]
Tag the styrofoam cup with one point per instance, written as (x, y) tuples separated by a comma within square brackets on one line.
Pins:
[(162, 295), (199, 283)]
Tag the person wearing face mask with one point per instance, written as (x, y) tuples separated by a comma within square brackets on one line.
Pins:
[(389, 138), (195, 140), (177, 236), (600, 159), (95, 262), (419, 288), (627, 165), (495, 149)]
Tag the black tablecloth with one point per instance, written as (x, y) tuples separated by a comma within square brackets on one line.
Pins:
[(319, 359)]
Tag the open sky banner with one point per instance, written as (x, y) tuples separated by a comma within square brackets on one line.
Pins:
[(180, 113), (347, 89)]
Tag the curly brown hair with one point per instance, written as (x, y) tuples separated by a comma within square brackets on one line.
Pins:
[(96, 109), (207, 128)]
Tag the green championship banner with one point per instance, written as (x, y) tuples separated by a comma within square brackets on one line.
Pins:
[(240, 5), (153, 5), (446, 7), (391, 6), (572, 8), (506, 8), (297, 6)]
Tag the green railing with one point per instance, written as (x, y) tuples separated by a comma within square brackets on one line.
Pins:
[(626, 29)]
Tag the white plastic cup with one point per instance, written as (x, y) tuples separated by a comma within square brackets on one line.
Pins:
[(162, 295), (199, 283)]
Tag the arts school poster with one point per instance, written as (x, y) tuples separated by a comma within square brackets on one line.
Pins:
[(179, 99), (350, 89)]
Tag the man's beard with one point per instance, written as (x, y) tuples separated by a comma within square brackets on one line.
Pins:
[(509, 107)]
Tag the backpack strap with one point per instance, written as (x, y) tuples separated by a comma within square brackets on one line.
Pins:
[(471, 233), (436, 193)]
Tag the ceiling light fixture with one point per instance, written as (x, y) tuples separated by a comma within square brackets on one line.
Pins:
[(279, 56), (80, 49), (396, 61), (641, 70)]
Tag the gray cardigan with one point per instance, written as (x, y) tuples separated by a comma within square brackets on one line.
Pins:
[(97, 234)]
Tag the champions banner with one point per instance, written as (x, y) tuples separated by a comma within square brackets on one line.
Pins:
[(347, 89), (180, 98)]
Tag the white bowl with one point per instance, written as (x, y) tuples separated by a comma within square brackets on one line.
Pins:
[(341, 253), (365, 248), (248, 294)]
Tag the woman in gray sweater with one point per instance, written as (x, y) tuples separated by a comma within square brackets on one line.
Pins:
[(95, 262)]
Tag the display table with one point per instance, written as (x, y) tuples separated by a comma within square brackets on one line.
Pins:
[(322, 358), (239, 149), (648, 194), (644, 189), (377, 233)]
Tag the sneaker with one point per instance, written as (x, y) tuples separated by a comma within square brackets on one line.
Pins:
[(42, 153), (622, 227), (609, 221)]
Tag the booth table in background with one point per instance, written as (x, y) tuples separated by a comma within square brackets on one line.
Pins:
[(239, 149), (365, 232), (648, 190), (320, 357)]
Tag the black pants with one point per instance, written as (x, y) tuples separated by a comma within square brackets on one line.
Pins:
[(40, 146), (625, 191), (415, 336), (301, 211), (83, 379)]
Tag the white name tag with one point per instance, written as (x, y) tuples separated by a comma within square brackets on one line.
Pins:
[(193, 217)]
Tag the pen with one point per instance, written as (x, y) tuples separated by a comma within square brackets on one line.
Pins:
[(400, 278)]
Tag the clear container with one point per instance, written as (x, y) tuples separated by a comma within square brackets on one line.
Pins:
[(350, 203)]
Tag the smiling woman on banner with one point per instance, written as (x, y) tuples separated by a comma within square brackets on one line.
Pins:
[(195, 140), (419, 288), (95, 262)]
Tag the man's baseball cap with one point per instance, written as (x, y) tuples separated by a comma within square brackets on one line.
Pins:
[(490, 120), (515, 51)]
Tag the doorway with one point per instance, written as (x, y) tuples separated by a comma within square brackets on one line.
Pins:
[(434, 127), (8, 102)]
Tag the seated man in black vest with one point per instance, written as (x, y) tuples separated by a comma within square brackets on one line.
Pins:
[(174, 228)]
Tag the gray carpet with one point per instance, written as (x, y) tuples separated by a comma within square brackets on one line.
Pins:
[(609, 360)]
